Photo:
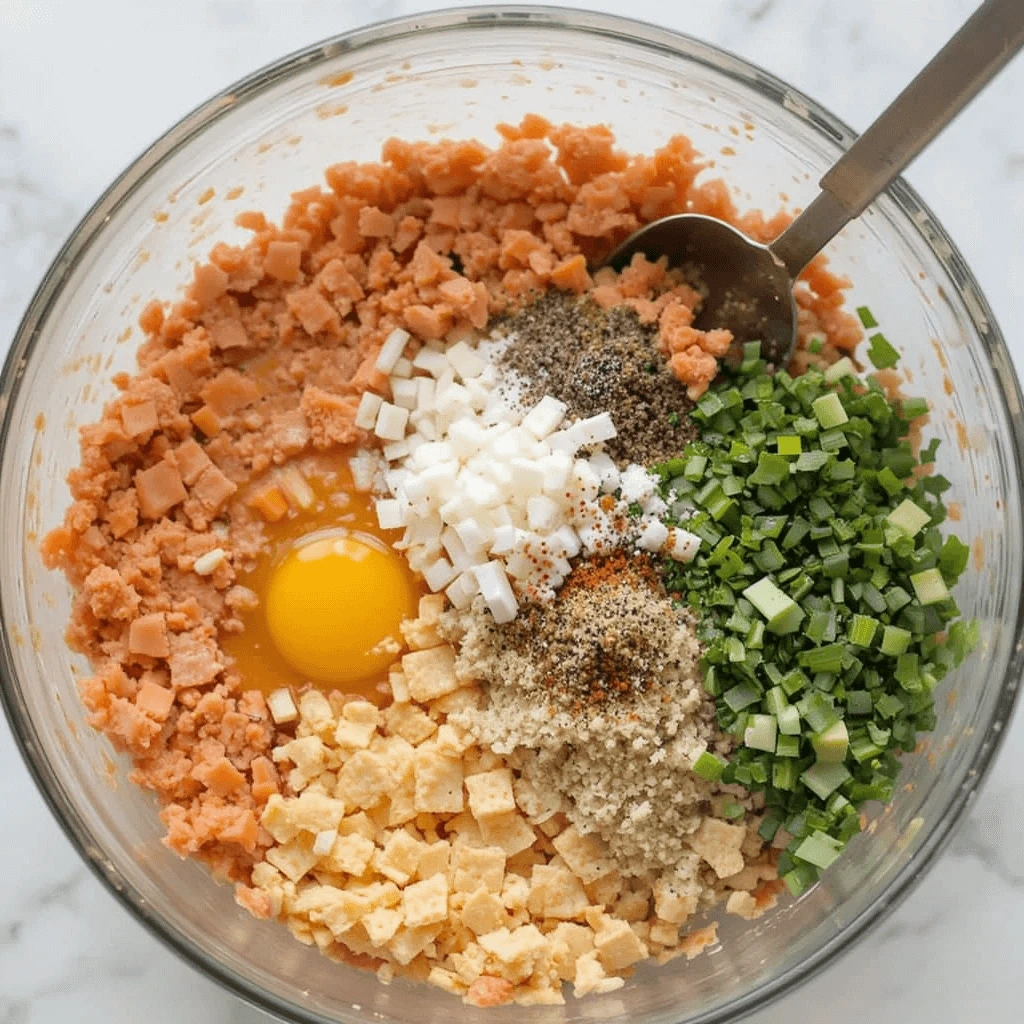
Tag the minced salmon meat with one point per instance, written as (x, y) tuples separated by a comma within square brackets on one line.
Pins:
[(263, 363)]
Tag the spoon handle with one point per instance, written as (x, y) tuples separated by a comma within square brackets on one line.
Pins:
[(956, 74)]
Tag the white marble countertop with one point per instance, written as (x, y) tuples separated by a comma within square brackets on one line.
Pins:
[(85, 86)]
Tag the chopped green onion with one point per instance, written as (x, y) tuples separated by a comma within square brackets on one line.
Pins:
[(785, 774), (823, 778), (741, 696), (818, 711), (829, 411), (811, 462), (881, 353), (822, 589), (909, 517), (866, 319), (819, 849), (929, 586), (862, 630), (841, 368), (775, 700), (858, 703), (800, 879), (787, 746), (889, 706), (954, 557), (896, 598), (709, 767), (782, 613), (830, 744), (789, 721), (760, 732), (895, 640), (911, 409), (887, 478), (693, 470), (771, 469), (732, 810), (822, 659)]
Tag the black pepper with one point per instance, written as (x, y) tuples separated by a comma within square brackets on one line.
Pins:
[(596, 361)]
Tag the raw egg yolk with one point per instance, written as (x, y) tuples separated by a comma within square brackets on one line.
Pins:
[(334, 605)]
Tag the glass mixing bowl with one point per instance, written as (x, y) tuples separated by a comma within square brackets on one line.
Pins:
[(456, 74)]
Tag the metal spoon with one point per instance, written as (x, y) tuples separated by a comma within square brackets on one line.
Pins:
[(750, 285)]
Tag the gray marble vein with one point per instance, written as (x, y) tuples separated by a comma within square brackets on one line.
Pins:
[(70, 120)]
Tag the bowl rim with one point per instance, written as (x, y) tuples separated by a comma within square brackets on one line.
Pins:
[(640, 35)]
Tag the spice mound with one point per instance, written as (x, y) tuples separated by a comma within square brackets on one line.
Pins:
[(598, 360), (597, 694)]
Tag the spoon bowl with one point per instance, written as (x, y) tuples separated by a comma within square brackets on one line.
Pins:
[(745, 286)]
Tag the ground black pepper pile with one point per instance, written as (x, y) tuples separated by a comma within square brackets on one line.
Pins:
[(604, 637), (601, 361)]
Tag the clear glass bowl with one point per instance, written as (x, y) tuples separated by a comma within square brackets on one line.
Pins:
[(456, 74)]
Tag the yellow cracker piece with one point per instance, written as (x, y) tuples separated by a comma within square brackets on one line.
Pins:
[(316, 716), (568, 943), (357, 725), (665, 933), (606, 890), (277, 819), (410, 722), (466, 699), (617, 945), (430, 674), (434, 860), (426, 902), (452, 740), (590, 977), (295, 858), (491, 793), (484, 912), (399, 686), (314, 812), (349, 855), (402, 807), (515, 947), (447, 980), (742, 904), (338, 909), (541, 994), (556, 892), (381, 924), (587, 856), (676, 898), (471, 963), (632, 906), (309, 756), (476, 868), (511, 831), (718, 843), (400, 857), (358, 824), (408, 943), (515, 892), (364, 780), (421, 633), (438, 783)]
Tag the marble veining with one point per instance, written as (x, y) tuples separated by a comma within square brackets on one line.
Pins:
[(70, 119)]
